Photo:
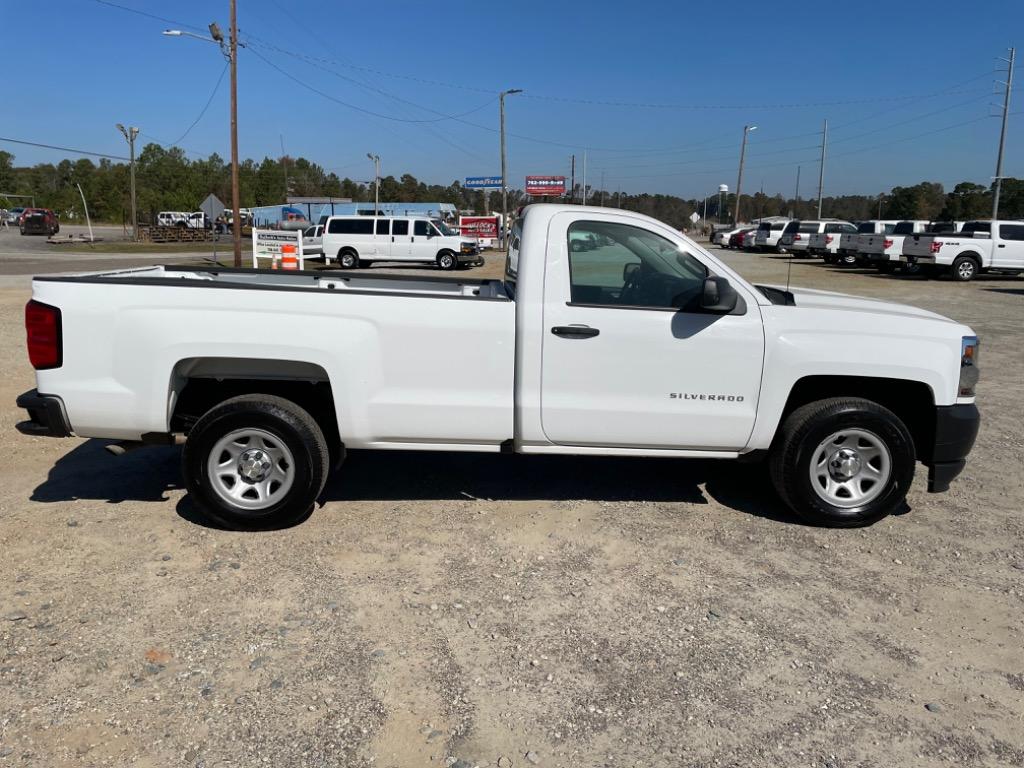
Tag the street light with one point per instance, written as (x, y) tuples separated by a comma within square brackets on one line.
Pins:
[(376, 182), (504, 181), (739, 181), (129, 135), (230, 51)]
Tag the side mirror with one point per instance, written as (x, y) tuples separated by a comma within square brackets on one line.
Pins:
[(718, 296), (629, 271)]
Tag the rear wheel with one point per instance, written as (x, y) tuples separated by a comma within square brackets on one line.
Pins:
[(848, 259), (348, 258), (255, 462), (446, 260), (843, 462), (964, 268), (886, 267)]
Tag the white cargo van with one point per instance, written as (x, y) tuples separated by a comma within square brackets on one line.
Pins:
[(358, 241)]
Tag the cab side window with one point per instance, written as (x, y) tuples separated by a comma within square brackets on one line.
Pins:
[(383, 226), (624, 266), (400, 227), (420, 228)]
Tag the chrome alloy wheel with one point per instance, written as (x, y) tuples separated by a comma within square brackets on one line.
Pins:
[(251, 469), (850, 468), (965, 269)]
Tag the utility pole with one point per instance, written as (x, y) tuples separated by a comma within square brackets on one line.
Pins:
[(739, 180), (796, 203), (821, 167), (880, 196), (504, 165), (284, 165), (572, 180), (129, 135), (602, 189), (584, 177), (230, 52), (1002, 135), (236, 213), (376, 182)]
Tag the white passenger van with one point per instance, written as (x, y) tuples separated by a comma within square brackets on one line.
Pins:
[(358, 241)]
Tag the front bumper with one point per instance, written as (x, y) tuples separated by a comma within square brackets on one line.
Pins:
[(46, 416), (956, 427)]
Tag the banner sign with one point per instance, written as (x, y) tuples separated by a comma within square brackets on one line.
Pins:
[(483, 182), (283, 248), (545, 185), (481, 227)]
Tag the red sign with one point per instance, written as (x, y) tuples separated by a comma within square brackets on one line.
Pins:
[(479, 226), (545, 185)]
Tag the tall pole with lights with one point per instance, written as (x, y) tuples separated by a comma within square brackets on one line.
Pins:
[(739, 179), (376, 181), (504, 165), (230, 51)]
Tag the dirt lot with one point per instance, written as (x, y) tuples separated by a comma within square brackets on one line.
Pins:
[(448, 609)]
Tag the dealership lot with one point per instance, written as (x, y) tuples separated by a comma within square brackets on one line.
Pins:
[(517, 610)]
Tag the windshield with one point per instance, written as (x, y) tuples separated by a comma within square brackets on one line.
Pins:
[(444, 228)]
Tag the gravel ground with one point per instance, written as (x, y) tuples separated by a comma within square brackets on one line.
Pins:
[(448, 609)]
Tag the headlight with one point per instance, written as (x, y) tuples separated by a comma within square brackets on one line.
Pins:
[(968, 365)]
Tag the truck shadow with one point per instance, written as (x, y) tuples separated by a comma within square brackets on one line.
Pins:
[(147, 474)]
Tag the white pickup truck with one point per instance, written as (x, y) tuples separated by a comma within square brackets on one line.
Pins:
[(882, 251), (975, 248), (644, 345)]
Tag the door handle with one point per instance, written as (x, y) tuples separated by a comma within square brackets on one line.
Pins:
[(575, 331), (392, 238), (1002, 245)]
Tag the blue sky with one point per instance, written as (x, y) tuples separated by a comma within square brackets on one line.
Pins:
[(656, 93)]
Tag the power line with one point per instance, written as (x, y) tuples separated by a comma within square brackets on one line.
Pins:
[(62, 149), (149, 15), (209, 101), (357, 108)]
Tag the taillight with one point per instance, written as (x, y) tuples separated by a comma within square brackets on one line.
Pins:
[(936, 245), (797, 237), (42, 324), (828, 239), (887, 243)]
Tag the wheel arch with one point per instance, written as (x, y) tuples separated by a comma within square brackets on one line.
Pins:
[(199, 383), (912, 401)]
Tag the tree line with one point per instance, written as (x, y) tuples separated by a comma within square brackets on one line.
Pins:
[(167, 180)]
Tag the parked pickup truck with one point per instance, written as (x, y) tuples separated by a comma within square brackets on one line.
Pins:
[(644, 345), (882, 251), (975, 248)]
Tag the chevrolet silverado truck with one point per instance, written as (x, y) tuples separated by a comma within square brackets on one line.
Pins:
[(644, 345), (980, 246)]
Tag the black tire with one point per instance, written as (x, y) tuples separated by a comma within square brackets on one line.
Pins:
[(288, 425), (365, 263), (886, 267), (447, 260), (911, 268), (348, 258), (797, 446), (964, 268), (848, 260)]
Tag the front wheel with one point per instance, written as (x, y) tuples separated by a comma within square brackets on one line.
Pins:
[(843, 462), (446, 260), (255, 462)]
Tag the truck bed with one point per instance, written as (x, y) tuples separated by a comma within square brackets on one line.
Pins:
[(306, 280)]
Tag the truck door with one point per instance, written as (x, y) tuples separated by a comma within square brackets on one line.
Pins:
[(1008, 252), (629, 359)]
